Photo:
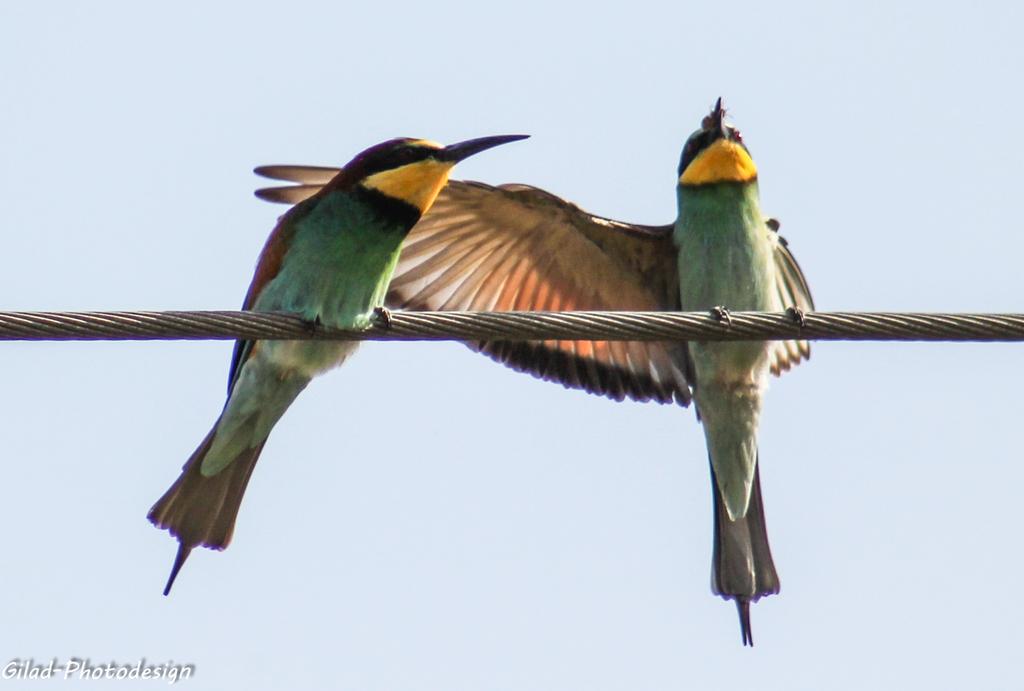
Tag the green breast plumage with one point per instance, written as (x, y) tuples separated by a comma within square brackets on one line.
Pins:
[(725, 254), (337, 268), (725, 260)]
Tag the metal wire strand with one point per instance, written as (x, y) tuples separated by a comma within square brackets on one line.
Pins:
[(517, 326)]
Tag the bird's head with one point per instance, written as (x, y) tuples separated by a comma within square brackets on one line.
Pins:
[(715, 154), (413, 171)]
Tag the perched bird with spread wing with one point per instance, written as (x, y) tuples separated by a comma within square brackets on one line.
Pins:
[(516, 247), (330, 260)]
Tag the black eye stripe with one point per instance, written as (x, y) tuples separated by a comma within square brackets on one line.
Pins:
[(390, 159), (402, 155), (702, 140), (694, 146)]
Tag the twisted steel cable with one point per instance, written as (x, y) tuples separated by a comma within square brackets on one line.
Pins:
[(517, 326)]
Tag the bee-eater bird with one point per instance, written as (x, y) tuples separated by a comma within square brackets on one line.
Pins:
[(516, 247), (329, 260)]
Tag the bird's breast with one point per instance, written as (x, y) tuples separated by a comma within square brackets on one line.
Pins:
[(726, 259), (726, 265)]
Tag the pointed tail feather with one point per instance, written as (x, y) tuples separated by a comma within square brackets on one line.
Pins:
[(742, 567), (201, 510)]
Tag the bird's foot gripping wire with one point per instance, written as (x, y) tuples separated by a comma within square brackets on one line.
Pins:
[(312, 325), (797, 315), (721, 314), (382, 317)]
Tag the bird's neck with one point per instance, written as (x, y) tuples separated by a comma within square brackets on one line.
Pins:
[(720, 211)]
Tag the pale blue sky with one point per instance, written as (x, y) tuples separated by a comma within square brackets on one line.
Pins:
[(425, 519)]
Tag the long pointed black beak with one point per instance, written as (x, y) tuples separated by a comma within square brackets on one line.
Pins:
[(463, 150), (715, 121)]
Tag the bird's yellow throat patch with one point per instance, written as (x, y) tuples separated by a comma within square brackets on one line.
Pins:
[(723, 161), (417, 184)]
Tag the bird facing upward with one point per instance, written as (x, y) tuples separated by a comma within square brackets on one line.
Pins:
[(517, 247), (329, 259)]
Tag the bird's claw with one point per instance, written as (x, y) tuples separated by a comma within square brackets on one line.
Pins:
[(721, 314), (312, 325), (797, 315), (382, 315)]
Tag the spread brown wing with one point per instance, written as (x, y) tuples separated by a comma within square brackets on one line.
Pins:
[(792, 291), (516, 247)]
